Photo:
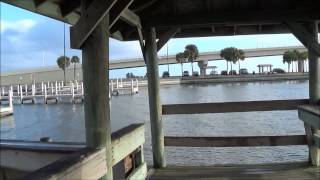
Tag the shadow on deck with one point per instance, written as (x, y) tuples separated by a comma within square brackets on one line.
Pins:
[(292, 171)]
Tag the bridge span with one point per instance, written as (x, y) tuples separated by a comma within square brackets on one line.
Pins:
[(53, 73), (206, 56)]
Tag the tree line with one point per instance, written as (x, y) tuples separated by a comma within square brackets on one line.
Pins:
[(191, 53), (234, 55), (294, 57)]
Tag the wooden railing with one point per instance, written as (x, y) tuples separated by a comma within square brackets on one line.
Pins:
[(227, 107), (86, 163)]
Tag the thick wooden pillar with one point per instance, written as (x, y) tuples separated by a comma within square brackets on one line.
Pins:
[(95, 60), (314, 69), (154, 99), (314, 94)]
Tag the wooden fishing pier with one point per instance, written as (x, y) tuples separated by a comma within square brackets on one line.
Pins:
[(119, 155), (7, 110), (55, 91)]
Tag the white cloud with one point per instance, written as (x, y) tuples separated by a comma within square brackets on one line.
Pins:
[(20, 26)]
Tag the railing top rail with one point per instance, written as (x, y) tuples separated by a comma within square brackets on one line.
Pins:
[(227, 107)]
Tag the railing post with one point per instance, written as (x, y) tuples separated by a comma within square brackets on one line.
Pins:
[(314, 93), (95, 65), (154, 99)]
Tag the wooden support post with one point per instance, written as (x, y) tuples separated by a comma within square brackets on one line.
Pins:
[(95, 65), (42, 87), (111, 86), (137, 84), (56, 88), (117, 84), (51, 88), (154, 99), (21, 94), (132, 87), (45, 94), (72, 92), (18, 89), (314, 93), (26, 90), (10, 95)]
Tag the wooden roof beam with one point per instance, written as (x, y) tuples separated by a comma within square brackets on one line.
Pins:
[(69, 6), (38, 3), (141, 42), (88, 21), (131, 18), (165, 37), (117, 9), (233, 17), (304, 36)]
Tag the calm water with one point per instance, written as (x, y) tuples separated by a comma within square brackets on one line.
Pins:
[(65, 121)]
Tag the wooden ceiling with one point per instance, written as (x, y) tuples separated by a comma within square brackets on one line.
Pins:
[(195, 18)]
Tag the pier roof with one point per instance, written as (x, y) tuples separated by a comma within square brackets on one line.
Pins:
[(192, 18)]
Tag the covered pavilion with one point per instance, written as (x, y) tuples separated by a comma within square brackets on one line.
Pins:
[(153, 23)]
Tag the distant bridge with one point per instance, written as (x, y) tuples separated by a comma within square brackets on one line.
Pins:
[(53, 73), (209, 56)]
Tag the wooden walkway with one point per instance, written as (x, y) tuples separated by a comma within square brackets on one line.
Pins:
[(293, 171)]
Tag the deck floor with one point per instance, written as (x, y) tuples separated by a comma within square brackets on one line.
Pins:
[(300, 171)]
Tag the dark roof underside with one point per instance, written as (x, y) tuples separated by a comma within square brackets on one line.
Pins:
[(196, 18)]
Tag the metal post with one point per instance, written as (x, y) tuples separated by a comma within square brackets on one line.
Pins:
[(154, 99), (95, 65)]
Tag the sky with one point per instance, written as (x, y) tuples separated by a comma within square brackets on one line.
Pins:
[(29, 40)]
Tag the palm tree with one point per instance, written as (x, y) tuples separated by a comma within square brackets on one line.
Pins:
[(191, 53), (63, 62), (287, 59), (241, 57), (180, 59), (296, 56), (74, 60), (302, 57), (233, 55)]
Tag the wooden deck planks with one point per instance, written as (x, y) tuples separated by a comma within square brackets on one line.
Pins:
[(242, 172)]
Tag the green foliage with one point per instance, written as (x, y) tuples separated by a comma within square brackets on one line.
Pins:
[(302, 56), (63, 62), (191, 52), (295, 55), (232, 54), (75, 59), (180, 58)]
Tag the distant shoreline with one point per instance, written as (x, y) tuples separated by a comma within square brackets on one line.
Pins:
[(245, 78)]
